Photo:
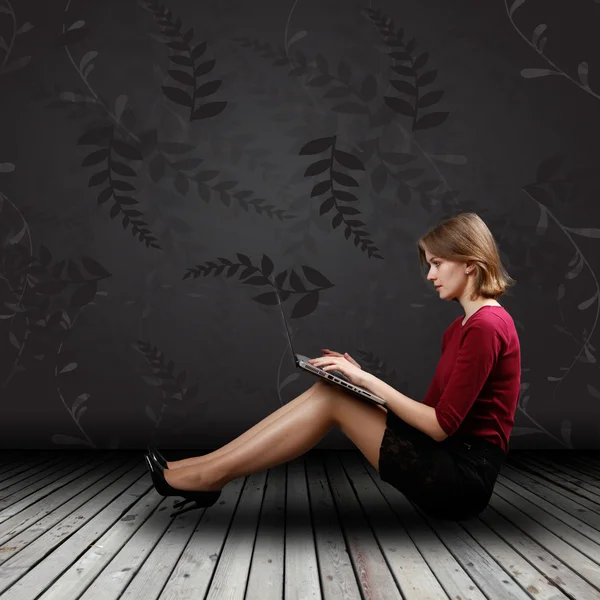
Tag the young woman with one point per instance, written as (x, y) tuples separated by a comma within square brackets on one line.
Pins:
[(444, 453)]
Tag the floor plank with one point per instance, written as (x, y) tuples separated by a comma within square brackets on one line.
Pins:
[(301, 565), (406, 563), (194, 570), (265, 581), (337, 573), (370, 566)]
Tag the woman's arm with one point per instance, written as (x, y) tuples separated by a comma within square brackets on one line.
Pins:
[(414, 413)]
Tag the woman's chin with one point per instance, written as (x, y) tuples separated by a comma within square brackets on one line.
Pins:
[(446, 296)]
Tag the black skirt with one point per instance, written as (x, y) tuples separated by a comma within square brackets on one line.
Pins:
[(453, 479)]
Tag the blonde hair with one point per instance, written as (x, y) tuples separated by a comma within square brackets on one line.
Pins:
[(465, 237)]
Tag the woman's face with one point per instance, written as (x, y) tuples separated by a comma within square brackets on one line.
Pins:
[(448, 276)]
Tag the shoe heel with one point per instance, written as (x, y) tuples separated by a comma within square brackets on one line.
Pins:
[(158, 457), (201, 499)]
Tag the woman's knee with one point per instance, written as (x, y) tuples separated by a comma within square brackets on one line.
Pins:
[(329, 395), (319, 383), (326, 388)]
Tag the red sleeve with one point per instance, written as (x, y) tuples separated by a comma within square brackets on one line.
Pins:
[(478, 352), (433, 393), (444, 340), (446, 334)]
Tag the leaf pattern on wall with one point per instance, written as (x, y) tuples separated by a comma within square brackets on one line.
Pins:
[(187, 175), (189, 65), (33, 284), (109, 158), (338, 84), (377, 366), (8, 64), (38, 326), (339, 198), (261, 276), (414, 73), (176, 397)]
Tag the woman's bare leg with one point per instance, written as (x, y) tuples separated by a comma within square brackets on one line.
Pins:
[(291, 435), (244, 437)]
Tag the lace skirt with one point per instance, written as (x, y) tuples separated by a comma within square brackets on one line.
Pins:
[(453, 479)]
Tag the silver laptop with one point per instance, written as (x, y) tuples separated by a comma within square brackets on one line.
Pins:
[(334, 377)]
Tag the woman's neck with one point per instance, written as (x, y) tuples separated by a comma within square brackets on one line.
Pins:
[(476, 305)]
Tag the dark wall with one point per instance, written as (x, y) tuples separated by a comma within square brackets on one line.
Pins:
[(158, 163)]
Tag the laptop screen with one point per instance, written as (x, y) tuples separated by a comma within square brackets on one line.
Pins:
[(287, 329)]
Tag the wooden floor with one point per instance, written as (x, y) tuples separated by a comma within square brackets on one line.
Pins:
[(91, 525)]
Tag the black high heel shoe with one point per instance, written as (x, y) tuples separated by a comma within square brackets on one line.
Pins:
[(158, 457), (200, 499)]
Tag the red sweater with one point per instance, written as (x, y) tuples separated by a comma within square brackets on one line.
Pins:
[(477, 381)]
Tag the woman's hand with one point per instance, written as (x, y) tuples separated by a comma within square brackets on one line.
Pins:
[(339, 363), (328, 352)]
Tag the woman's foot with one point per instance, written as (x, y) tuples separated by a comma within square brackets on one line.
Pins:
[(194, 461), (176, 464), (197, 498), (191, 479)]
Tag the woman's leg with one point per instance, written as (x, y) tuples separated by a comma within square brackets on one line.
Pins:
[(289, 436), (244, 437)]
